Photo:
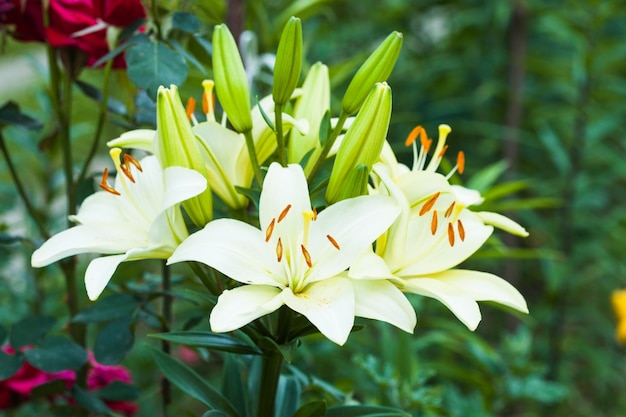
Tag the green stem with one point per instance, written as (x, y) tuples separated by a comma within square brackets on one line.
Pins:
[(100, 125), (280, 139), (21, 190), (166, 388), (206, 281), (343, 116), (66, 146), (270, 373), (253, 158)]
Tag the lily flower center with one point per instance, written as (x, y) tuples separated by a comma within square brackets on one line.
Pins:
[(419, 157), (449, 215)]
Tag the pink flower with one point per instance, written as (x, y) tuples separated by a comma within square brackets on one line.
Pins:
[(99, 376)]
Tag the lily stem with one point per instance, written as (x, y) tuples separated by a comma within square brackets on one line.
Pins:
[(270, 373), (253, 158), (343, 116), (166, 388), (280, 139)]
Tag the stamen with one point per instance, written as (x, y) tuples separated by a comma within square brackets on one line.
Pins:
[(127, 172), (426, 143), (429, 203), (461, 230), (104, 183), (129, 159), (284, 213), (307, 256), (190, 107), (417, 131), (314, 214), (442, 152), (333, 242), (208, 100), (450, 234), (269, 230), (433, 223), (279, 250), (449, 210)]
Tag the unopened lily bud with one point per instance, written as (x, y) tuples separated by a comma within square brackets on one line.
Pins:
[(363, 141), (177, 146), (231, 82), (288, 62), (374, 70), (355, 184)]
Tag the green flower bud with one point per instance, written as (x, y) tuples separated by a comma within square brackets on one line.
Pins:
[(362, 143), (288, 62), (355, 184), (374, 70), (231, 82), (177, 145)]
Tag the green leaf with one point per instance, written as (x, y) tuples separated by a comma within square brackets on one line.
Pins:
[(113, 105), (287, 395), (138, 38), (153, 64), (56, 354), (486, 177), (325, 128), (113, 307), (119, 391), (265, 117), (185, 54), (89, 401), (209, 340), (186, 22), (50, 388), (287, 351), (114, 342), (214, 413), (10, 114), (30, 330), (233, 385), (3, 334), (365, 411), (10, 364), (7, 239), (191, 383), (312, 409)]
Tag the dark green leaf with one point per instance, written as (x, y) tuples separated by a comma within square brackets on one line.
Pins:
[(56, 354), (214, 413), (89, 401), (30, 330), (191, 383), (253, 194), (179, 48), (114, 342), (287, 395), (312, 409), (365, 411), (119, 391), (209, 340), (266, 118), (7, 239), (10, 364), (3, 334), (287, 351), (113, 105), (186, 22), (113, 307), (153, 64), (50, 388), (233, 385), (138, 38), (10, 114), (325, 129)]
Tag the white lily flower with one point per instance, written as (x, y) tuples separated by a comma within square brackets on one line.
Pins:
[(299, 258), (433, 234), (138, 218)]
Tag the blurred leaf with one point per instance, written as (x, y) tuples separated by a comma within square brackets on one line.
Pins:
[(527, 203), (287, 395), (56, 354), (146, 109), (113, 307), (487, 176), (10, 114), (30, 330), (191, 383), (214, 413), (138, 38), (153, 64), (114, 342), (50, 388), (209, 340), (325, 129), (7, 239), (10, 364), (119, 391), (506, 189), (233, 386), (287, 351), (113, 105), (186, 22), (365, 411), (3, 334), (554, 145), (312, 409), (188, 56), (89, 401)]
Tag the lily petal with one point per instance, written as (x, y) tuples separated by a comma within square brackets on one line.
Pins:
[(142, 139), (381, 300), (329, 306), (461, 304), (234, 248), (99, 273), (180, 185), (502, 222), (237, 307), (369, 266)]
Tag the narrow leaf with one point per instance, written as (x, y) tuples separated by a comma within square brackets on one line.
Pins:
[(312, 409), (209, 340)]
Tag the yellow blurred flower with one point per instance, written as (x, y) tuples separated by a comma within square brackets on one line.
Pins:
[(618, 299)]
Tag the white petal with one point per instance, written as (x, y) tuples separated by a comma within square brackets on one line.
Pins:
[(369, 266), (180, 185), (418, 186), (100, 207), (353, 224), (482, 286), (234, 248), (329, 306), (237, 307), (109, 238), (462, 305), (381, 300), (502, 222), (99, 273), (135, 139), (467, 196)]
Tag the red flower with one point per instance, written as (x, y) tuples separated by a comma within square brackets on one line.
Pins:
[(99, 376)]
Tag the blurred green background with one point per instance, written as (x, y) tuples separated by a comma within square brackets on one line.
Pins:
[(536, 86)]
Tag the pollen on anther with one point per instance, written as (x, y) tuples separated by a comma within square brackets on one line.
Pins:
[(269, 230), (413, 135), (105, 186), (127, 172), (314, 214), (333, 242), (450, 234), (129, 159), (433, 223), (190, 107), (461, 230), (307, 256), (442, 152), (279, 250), (460, 162), (429, 203), (284, 213), (449, 210)]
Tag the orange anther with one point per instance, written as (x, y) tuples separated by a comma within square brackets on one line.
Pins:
[(460, 162), (426, 143), (269, 230), (442, 152), (314, 214), (461, 230), (429, 203), (307, 256), (104, 183), (279, 250), (205, 103), (129, 159), (190, 107), (284, 213), (127, 172), (450, 234), (333, 242), (449, 210), (433, 223)]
